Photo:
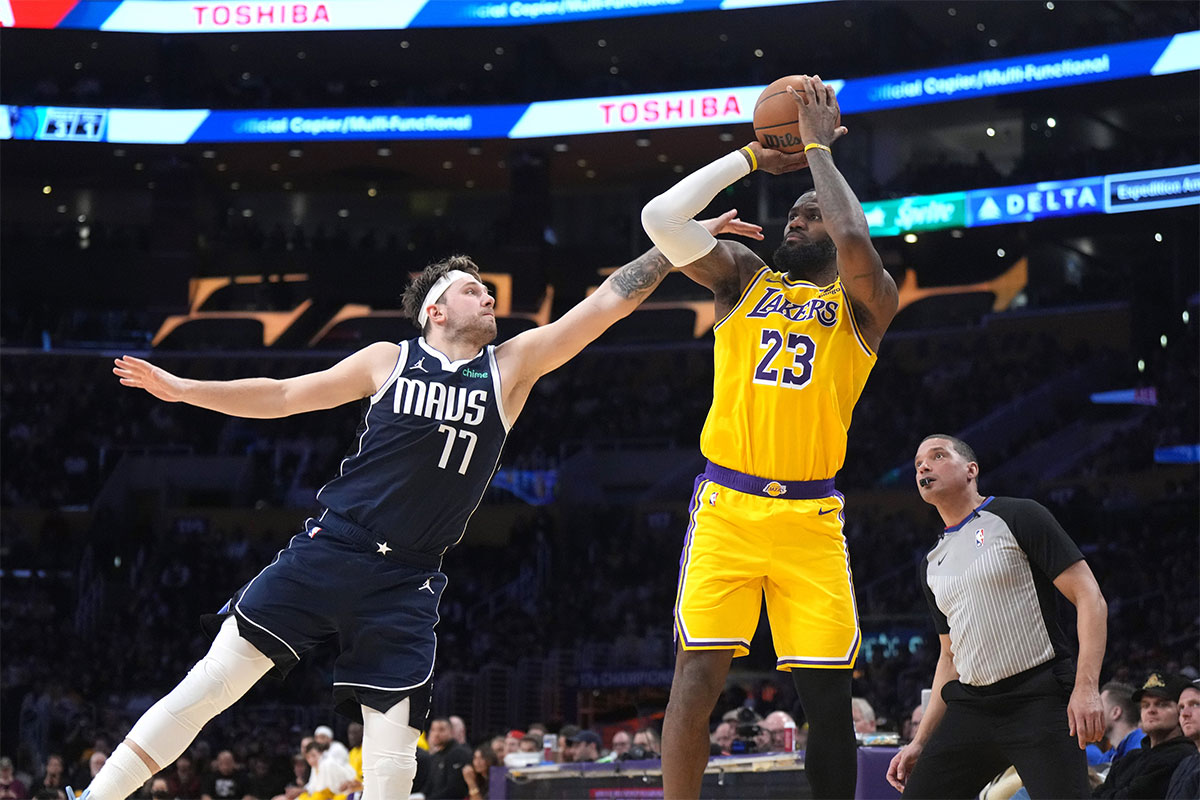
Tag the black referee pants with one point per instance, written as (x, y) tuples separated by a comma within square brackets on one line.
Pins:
[(1021, 724)]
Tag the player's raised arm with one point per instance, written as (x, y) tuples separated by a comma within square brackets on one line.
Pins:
[(722, 266), (871, 289), (353, 378), (530, 355)]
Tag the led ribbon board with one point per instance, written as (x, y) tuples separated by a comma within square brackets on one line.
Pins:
[(255, 16), (659, 110)]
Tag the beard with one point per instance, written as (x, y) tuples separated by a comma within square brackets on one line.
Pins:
[(480, 330), (805, 260)]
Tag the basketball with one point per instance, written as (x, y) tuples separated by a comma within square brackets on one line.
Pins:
[(775, 117)]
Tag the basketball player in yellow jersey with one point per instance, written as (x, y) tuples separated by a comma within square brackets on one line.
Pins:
[(794, 346)]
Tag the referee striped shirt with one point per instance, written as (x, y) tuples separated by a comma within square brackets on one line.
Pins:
[(990, 586)]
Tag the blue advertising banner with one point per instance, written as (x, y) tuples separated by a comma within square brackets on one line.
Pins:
[(465, 122), (1148, 189), (1035, 201), (659, 110), (1023, 74)]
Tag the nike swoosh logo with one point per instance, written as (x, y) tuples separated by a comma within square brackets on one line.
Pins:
[(940, 560), (825, 511)]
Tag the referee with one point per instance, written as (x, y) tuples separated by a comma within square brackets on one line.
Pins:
[(1006, 690)]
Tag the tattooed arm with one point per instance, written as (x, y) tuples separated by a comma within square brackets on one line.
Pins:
[(530, 355)]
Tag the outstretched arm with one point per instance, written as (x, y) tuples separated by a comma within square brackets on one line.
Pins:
[(353, 378), (871, 289), (530, 355)]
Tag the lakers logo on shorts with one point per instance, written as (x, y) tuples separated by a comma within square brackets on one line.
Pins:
[(775, 489)]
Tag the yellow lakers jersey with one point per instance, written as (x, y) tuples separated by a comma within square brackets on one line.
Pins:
[(790, 363)]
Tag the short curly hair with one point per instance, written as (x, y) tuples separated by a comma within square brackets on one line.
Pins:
[(414, 296)]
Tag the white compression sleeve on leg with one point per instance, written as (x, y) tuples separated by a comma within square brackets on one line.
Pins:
[(122, 774), (668, 218), (389, 752), (227, 672)]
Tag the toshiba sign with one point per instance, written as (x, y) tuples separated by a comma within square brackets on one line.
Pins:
[(234, 17), (637, 112)]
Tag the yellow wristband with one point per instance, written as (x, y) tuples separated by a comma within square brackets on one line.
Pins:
[(753, 160), (817, 146)]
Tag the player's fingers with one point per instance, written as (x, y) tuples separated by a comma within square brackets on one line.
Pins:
[(806, 86), (800, 97)]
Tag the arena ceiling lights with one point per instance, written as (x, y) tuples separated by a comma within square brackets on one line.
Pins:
[(257, 16)]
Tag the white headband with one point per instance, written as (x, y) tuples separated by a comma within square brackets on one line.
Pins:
[(437, 290)]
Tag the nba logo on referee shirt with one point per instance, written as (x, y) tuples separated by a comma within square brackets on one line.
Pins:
[(979, 538)]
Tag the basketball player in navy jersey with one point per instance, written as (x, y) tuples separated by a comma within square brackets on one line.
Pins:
[(440, 408)]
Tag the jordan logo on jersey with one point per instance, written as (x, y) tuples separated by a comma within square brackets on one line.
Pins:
[(420, 365), (773, 302), (425, 586)]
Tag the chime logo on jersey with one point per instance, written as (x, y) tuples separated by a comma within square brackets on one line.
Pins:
[(979, 538), (773, 302), (439, 401)]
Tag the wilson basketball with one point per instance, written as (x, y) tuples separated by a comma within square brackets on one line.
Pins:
[(775, 117)]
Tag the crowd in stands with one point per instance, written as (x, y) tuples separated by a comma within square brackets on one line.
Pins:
[(65, 423), (1150, 748)]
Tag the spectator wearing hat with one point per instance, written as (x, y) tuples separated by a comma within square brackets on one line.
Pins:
[(584, 746), (330, 747), (446, 761), (1146, 772), (512, 741), (1121, 731), (1185, 781)]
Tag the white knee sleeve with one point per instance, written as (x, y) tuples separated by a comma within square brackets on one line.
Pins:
[(389, 752), (227, 672)]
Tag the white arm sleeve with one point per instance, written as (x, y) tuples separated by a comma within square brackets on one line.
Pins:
[(668, 218)]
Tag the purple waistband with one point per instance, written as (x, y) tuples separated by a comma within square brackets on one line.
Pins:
[(767, 487)]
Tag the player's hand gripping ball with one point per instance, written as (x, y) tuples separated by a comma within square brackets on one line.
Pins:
[(775, 116)]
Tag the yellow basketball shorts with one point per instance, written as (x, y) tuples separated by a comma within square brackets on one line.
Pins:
[(775, 539)]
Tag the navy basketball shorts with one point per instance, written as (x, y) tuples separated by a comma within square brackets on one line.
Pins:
[(335, 582)]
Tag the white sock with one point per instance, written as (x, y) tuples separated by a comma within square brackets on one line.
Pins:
[(122, 774)]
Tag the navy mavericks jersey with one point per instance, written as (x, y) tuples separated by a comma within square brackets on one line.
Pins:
[(428, 444)]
